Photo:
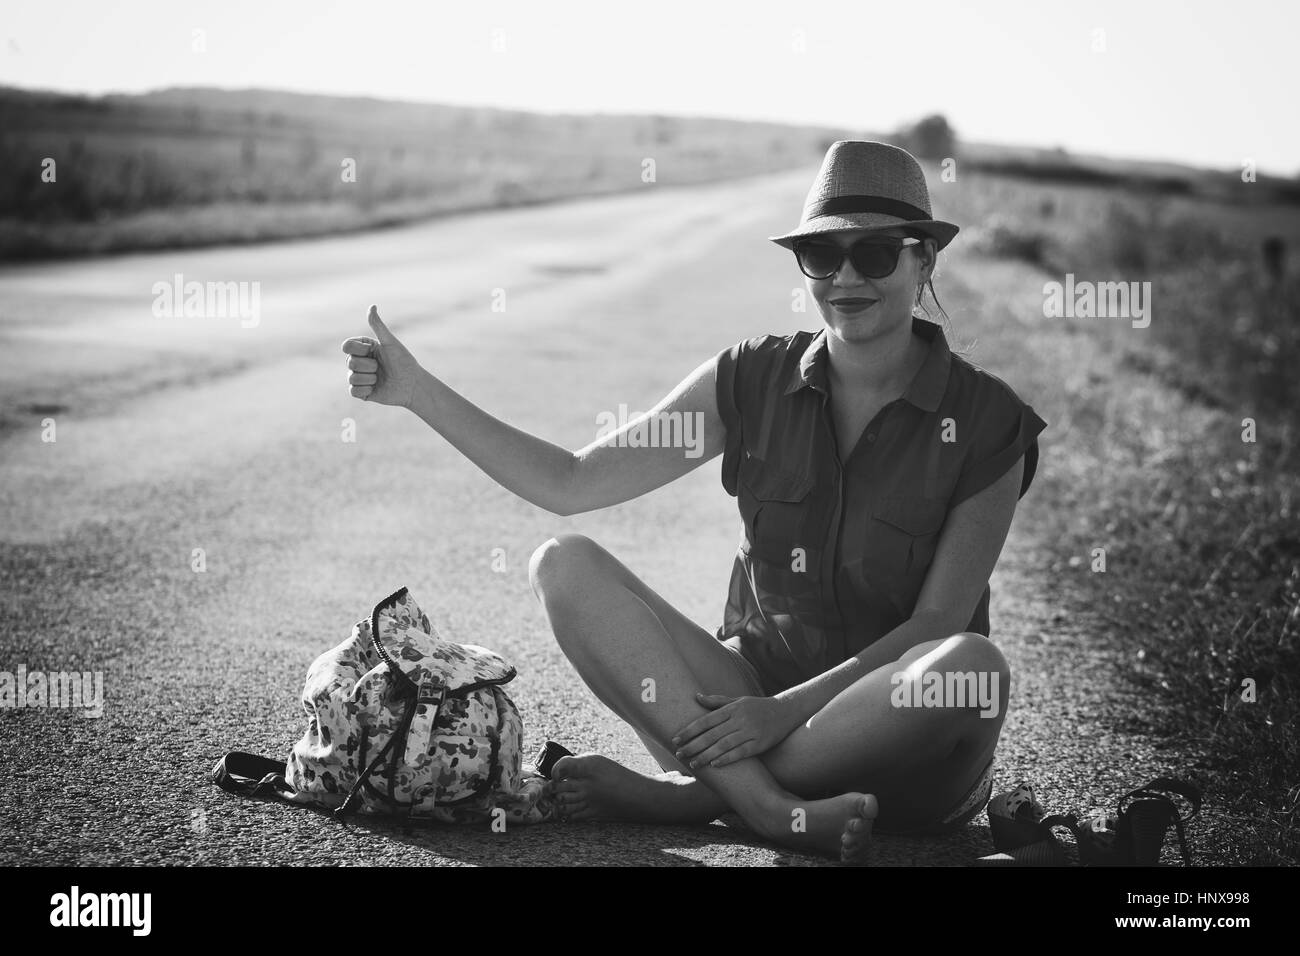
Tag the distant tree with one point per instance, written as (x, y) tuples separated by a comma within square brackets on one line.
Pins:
[(929, 138), (664, 129)]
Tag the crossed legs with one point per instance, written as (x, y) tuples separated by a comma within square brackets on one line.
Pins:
[(820, 789)]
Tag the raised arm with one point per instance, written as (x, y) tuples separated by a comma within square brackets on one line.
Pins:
[(685, 427), (687, 431)]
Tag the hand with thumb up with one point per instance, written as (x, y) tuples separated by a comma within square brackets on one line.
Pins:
[(381, 369)]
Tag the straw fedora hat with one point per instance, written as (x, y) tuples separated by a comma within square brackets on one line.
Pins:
[(865, 185)]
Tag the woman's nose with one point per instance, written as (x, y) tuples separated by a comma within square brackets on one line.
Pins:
[(847, 277)]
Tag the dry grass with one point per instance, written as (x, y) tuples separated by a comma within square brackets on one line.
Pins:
[(1202, 584), (197, 167)]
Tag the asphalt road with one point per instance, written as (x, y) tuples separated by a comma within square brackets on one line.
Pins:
[(175, 434)]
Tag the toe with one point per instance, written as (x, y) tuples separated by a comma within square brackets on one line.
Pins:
[(565, 767), (566, 787), (855, 842), (566, 805), (854, 847)]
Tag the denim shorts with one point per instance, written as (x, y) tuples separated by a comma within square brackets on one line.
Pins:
[(747, 671), (963, 812)]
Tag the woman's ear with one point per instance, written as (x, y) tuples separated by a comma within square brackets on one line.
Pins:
[(928, 258)]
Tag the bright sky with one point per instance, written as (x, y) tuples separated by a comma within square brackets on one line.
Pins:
[(1197, 81)]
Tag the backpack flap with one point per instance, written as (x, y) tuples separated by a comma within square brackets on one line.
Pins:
[(411, 646), (447, 754)]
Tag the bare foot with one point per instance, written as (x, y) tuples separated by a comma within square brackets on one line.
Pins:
[(838, 827), (592, 787), (855, 844)]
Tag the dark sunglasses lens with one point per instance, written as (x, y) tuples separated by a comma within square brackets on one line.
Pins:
[(819, 259), (875, 259)]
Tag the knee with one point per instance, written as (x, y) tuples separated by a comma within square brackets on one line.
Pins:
[(969, 651), (967, 675), (972, 653), (560, 561)]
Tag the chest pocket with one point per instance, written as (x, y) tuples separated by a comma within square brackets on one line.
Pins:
[(773, 504), (903, 534)]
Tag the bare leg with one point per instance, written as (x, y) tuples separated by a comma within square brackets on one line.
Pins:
[(631, 662), (948, 751), (919, 762)]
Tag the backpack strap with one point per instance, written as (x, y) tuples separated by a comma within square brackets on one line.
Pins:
[(396, 745), (248, 775)]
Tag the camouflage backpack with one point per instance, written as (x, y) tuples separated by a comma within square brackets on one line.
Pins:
[(403, 722)]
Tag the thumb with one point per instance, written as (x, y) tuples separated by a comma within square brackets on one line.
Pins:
[(377, 326)]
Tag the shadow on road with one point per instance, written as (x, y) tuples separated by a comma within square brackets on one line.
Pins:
[(727, 841), (570, 844)]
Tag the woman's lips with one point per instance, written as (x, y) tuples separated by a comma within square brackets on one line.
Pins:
[(853, 304)]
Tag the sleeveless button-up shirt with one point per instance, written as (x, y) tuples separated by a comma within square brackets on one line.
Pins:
[(836, 542)]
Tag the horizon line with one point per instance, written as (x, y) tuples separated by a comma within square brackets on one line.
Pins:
[(536, 111)]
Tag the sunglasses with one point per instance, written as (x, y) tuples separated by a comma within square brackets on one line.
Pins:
[(874, 257)]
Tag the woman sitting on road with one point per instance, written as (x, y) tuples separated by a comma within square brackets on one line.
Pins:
[(852, 684)]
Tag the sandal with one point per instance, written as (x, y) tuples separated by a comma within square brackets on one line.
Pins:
[(1046, 851), (1022, 833), (1098, 839), (548, 756), (1135, 833), (1145, 820)]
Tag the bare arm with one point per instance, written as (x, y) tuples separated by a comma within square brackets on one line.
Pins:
[(686, 427), (605, 472)]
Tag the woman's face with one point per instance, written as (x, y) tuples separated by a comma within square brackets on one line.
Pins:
[(894, 295)]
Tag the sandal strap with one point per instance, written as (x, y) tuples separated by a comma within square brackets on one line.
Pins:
[(1159, 788), (1182, 841), (1067, 820)]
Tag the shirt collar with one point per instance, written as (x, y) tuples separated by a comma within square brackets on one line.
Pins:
[(926, 388)]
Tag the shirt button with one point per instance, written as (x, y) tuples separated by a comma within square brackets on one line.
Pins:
[(871, 436)]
